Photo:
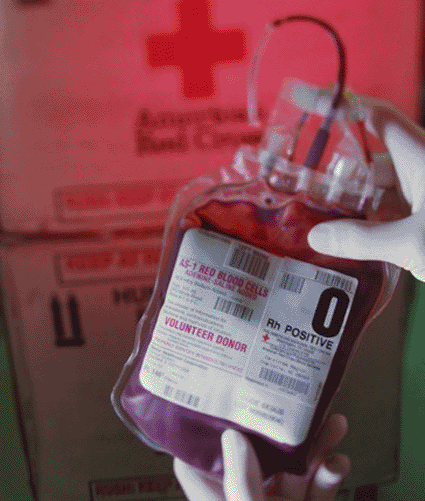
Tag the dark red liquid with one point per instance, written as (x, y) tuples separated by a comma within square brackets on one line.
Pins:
[(195, 437)]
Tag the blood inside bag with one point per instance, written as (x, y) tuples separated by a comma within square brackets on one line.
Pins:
[(195, 437)]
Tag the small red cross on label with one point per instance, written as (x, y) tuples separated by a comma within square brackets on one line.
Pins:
[(266, 337), (195, 47)]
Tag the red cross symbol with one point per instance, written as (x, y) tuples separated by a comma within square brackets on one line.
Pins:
[(195, 47), (266, 337)]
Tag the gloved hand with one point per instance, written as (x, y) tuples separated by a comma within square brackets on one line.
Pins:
[(400, 242), (243, 481)]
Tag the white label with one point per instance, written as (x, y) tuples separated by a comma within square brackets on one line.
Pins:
[(246, 336)]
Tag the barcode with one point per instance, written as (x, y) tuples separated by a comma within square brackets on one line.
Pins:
[(250, 261), (292, 283), (282, 380), (186, 398), (235, 309), (168, 390), (333, 280), (267, 416)]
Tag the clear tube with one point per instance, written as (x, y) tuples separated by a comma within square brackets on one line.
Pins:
[(321, 139), (252, 91)]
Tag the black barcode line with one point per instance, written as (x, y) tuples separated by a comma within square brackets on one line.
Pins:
[(282, 380), (267, 416), (187, 398), (250, 261), (292, 283), (334, 280), (231, 308), (168, 390)]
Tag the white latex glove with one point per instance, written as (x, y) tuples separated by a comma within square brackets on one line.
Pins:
[(400, 242), (243, 480)]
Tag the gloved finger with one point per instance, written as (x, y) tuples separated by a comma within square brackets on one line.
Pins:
[(242, 472), (384, 171), (296, 487), (196, 485), (332, 434), (406, 144), (379, 113), (329, 477), (399, 242), (308, 97), (404, 139), (376, 113), (318, 100)]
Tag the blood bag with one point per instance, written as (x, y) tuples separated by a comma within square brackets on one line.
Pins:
[(248, 327)]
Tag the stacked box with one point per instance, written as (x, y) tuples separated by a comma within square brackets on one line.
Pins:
[(109, 106), (71, 311)]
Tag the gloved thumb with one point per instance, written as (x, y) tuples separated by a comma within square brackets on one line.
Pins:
[(399, 242), (242, 473)]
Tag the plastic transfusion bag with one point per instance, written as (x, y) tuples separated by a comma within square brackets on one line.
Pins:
[(248, 327)]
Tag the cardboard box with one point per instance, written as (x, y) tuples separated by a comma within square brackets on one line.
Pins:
[(108, 107), (71, 311)]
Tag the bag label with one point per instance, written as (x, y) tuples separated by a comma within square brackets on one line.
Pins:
[(247, 336)]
